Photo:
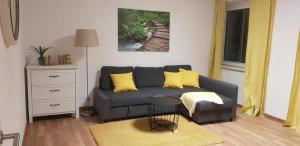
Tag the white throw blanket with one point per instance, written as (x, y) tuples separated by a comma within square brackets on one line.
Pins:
[(190, 99)]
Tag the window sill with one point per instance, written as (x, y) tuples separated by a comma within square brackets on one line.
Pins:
[(234, 66)]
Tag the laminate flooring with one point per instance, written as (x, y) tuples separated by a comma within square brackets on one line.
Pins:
[(244, 131)]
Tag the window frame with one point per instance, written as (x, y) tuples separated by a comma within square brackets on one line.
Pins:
[(231, 65), (235, 66)]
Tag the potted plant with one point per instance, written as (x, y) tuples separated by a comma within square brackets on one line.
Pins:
[(40, 50)]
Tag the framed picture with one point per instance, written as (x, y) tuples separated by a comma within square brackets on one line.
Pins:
[(143, 31)]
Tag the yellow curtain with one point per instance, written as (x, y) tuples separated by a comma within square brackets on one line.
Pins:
[(214, 70), (257, 58), (293, 118)]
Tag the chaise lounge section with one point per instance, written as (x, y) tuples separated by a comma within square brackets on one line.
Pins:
[(149, 81)]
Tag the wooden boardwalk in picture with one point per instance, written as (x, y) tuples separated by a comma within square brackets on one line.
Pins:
[(159, 41)]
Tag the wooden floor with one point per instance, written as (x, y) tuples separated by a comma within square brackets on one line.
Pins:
[(244, 131)]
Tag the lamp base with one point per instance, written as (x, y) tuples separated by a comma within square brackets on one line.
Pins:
[(87, 113)]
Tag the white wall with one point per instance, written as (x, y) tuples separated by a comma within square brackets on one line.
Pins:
[(12, 88), (53, 23), (237, 78), (237, 4), (282, 57)]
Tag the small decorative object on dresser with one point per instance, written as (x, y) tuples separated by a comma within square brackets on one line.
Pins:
[(41, 52), (52, 90), (64, 59)]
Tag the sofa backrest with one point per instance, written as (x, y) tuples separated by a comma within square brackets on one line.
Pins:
[(143, 76), (175, 68), (105, 79), (149, 76)]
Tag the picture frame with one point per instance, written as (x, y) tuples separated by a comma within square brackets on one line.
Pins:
[(143, 30)]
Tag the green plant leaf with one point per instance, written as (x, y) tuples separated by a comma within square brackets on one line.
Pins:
[(40, 50)]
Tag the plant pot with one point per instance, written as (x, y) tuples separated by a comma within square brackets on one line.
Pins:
[(41, 60)]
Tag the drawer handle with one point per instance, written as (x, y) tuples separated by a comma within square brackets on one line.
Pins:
[(53, 76), (54, 105), (56, 90)]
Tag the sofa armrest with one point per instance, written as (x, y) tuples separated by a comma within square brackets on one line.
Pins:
[(102, 104), (220, 87)]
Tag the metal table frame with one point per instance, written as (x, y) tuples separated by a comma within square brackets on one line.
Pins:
[(160, 117)]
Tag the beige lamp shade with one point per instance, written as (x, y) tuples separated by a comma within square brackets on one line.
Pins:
[(86, 38)]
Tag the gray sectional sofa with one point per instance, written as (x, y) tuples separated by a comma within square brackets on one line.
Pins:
[(149, 81)]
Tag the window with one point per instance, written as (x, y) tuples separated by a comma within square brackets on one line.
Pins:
[(236, 36)]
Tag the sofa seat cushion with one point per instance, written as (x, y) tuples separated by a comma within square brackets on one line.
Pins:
[(208, 106), (192, 89), (138, 97)]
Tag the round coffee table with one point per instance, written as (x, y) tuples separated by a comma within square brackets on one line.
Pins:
[(163, 113)]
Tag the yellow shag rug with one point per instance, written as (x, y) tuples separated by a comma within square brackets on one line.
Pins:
[(136, 132)]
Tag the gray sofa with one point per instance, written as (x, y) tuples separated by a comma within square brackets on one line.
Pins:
[(149, 81)]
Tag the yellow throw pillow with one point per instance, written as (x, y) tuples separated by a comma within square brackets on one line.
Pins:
[(190, 78), (123, 82), (173, 80)]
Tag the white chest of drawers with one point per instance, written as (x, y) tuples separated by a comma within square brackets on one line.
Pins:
[(52, 90)]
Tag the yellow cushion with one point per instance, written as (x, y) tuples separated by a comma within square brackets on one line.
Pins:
[(123, 82), (173, 80), (190, 78)]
